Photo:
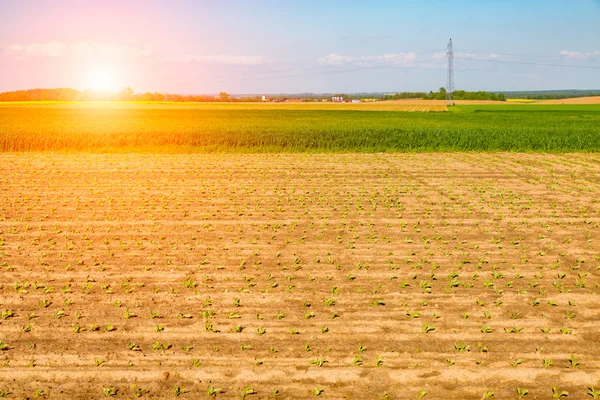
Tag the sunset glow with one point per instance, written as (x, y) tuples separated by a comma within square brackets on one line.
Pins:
[(101, 77)]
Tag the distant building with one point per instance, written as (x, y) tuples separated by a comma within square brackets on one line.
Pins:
[(337, 99), (265, 98)]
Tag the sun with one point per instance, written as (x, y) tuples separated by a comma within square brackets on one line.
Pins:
[(101, 77)]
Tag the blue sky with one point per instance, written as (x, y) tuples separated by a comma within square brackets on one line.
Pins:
[(298, 46)]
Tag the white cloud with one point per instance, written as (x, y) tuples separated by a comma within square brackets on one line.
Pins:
[(576, 55), (49, 49), (79, 49), (222, 59), (391, 59)]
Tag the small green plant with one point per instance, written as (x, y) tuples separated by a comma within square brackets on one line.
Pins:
[(318, 362), (133, 347), (317, 391), (593, 393), (178, 391), (110, 392), (521, 393), (138, 391), (213, 391), (247, 391), (6, 314), (573, 363), (428, 328), (556, 394), (516, 363)]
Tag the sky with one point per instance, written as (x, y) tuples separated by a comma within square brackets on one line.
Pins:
[(274, 46)]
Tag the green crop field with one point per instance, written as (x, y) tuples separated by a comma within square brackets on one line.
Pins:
[(255, 129)]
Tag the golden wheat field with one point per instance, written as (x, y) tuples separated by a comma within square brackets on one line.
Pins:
[(436, 276)]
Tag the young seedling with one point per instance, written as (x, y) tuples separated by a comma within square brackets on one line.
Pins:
[(317, 391), (573, 363), (593, 393), (556, 394), (133, 347), (516, 363), (178, 391), (213, 391), (6, 314), (247, 391), (318, 362), (461, 347), (137, 391), (110, 392), (521, 393)]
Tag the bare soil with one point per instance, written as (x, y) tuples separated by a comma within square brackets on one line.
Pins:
[(365, 276), (577, 100)]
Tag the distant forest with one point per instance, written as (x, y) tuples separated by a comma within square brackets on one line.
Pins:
[(127, 94), (551, 94), (464, 95)]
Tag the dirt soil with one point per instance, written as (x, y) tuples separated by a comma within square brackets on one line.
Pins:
[(343, 276)]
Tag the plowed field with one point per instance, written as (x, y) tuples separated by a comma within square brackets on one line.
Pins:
[(337, 276)]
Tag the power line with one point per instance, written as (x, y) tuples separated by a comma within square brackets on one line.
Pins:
[(507, 54), (527, 63)]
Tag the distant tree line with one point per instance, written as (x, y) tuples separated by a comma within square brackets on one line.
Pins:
[(404, 95), (127, 94), (551, 94), (464, 95)]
